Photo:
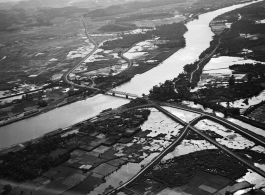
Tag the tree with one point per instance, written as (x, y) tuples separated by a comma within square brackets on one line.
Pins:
[(246, 101), (6, 189), (42, 103), (249, 76), (232, 80), (225, 113), (252, 192)]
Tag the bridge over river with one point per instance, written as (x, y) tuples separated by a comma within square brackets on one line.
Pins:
[(121, 93)]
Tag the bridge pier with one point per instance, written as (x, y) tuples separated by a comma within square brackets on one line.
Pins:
[(126, 96), (113, 94)]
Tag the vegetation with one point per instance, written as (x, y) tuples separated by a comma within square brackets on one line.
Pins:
[(143, 16), (118, 124), (194, 136), (52, 149), (253, 108), (210, 96), (42, 103), (170, 32), (30, 162), (179, 170), (128, 7), (232, 43), (16, 19), (110, 81), (136, 102), (245, 33), (114, 27), (125, 41), (204, 57), (253, 70), (84, 91), (6, 189)]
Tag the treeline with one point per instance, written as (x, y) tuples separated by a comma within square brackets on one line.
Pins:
[(254, 11), (35, 158), (126, 41), (136, 102), (252, 108), (256, 69), (170, 32), (114, 27), (129, 7), (179, 170), (16, 18), (178, 90), (143, 16), (114, 127), (232, 44), (103, 82)]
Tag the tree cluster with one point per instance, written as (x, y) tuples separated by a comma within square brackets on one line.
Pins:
[(143, 16), (34, 159), (179, 170), (128, 7), (170, 32), (114, 27)]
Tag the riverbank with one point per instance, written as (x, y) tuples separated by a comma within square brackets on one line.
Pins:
[(162, 50), (98, 141), (97, 158), (213, 92), (81, 110)]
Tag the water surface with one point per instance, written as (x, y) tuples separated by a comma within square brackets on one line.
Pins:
[(198, 39)]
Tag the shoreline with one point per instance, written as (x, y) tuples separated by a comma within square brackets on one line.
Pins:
[(35, 114), (130, 62), (72, 128)]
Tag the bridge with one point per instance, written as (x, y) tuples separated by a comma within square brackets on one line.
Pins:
[(127, 95)]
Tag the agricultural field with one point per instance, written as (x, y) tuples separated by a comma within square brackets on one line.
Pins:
[(99, 155), (35, 55)]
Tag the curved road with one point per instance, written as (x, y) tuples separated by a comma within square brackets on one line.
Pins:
[(65, 77)]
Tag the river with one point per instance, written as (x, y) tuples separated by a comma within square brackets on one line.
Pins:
[(198, 39)]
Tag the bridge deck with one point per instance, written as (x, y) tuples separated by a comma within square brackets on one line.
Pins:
[(122, 93)]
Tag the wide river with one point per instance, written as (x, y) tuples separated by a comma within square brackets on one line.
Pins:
[(198, 39)]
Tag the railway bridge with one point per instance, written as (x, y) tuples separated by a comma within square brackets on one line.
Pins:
[(121, 93)]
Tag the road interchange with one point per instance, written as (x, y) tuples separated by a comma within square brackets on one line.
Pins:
[(181, 136)]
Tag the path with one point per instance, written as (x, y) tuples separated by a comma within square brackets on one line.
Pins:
[(203, 59)]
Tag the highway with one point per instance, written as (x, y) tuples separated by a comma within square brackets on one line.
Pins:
[(65, 77), (229, 152), (256, 138), (158, 158), (181, 136)]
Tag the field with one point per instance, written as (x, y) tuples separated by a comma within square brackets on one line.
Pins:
[(96, 157), (34, 55), (35, 52)]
